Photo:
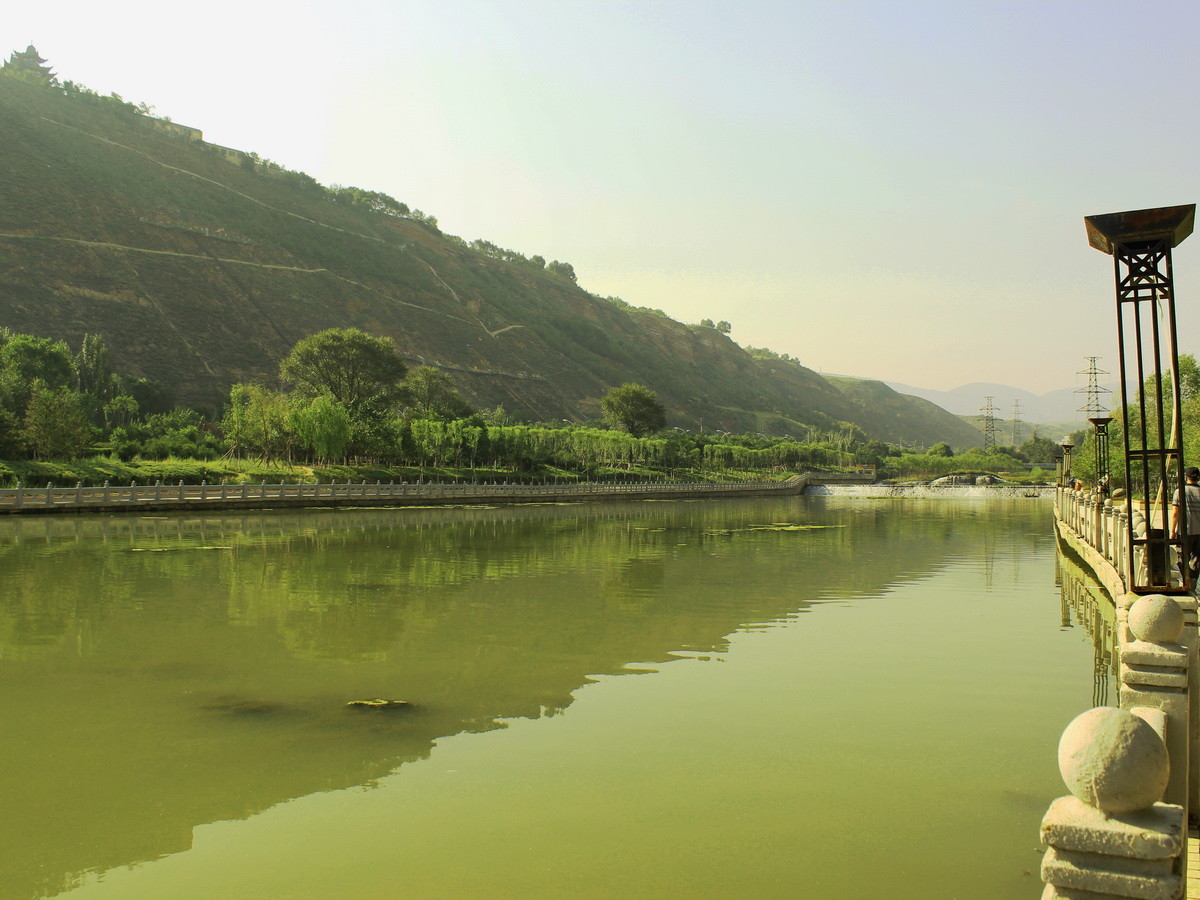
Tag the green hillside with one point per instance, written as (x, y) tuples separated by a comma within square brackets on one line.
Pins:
[(201, 267), (908, 418)]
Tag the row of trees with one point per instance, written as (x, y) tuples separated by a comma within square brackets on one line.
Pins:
[(347, 396), (54, 403)]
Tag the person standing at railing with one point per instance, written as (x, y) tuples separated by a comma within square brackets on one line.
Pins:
[(1190, 549)]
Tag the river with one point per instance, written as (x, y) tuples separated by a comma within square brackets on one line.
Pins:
[(792, 697)]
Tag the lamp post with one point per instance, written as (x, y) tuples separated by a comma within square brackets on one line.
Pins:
[(1100, 423), (1140, 243), (1058, 468), (1067, 447)]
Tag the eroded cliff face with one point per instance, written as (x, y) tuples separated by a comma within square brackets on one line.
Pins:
[(202, 270)]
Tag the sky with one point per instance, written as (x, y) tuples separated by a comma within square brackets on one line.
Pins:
[(892, 190)]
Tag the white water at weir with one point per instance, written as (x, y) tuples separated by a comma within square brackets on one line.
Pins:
[(930, 492)]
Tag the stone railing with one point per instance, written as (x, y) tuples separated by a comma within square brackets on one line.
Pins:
[(1133, 771), (1103, 525), (191, 496), (1122, 832)]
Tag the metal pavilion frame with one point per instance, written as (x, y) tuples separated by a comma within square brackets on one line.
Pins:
[(1140, 243)]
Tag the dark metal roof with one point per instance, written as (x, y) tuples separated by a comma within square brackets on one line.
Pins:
[(1172, 223)]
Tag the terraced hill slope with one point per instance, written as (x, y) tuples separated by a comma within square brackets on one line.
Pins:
[(202, 267)]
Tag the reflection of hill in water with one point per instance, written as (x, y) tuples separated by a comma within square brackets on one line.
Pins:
[(169, 672)]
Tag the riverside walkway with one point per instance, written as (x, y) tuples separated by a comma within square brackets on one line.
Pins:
[(192, 497), (1133, 771)]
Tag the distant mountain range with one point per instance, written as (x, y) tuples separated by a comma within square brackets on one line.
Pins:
[(1053, 407)]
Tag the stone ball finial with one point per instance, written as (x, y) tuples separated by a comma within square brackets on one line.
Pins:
[(1113, 761), (1156, 618)]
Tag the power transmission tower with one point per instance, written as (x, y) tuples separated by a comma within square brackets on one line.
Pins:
[(1016, 424), (1094, 406), (988, 419)]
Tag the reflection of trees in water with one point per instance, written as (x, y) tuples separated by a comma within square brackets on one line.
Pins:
[(1086, 605), (634, 581), (154, 647), (348, 584)]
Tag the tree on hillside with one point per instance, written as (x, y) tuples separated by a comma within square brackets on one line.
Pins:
[(724, 327), (562, 269), (634, 408), (362, 372), (29, 66), (431, 394)]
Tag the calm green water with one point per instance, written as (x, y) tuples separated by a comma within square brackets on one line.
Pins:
[(641, 700)]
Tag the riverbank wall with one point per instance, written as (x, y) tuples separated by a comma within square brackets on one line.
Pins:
[(181, 497), (190, 497)]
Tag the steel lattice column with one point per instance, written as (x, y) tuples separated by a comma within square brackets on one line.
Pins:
[(1140, 243)]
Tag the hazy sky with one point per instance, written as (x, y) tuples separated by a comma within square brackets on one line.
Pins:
[(887, 189)]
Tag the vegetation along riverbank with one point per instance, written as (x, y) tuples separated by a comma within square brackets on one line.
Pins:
[(349, 409)]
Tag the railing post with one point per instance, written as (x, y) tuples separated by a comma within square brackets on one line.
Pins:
[(204, 489), (181, 489), (79, 492), (1154, 673), (157, 490), (105, 494), (49, 493), (1113, 836), (244, 490)]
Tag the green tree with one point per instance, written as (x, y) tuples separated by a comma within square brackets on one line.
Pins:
[(707, 323), (10, 434), (940, 449), (27, 362), (634, 408), (119, 411), (256, 422), (153, 397), (724, 327), (93, 371), (563, 270), (55, 426), (431, 394), (322, 427), (362, 372), (1039, 450)]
